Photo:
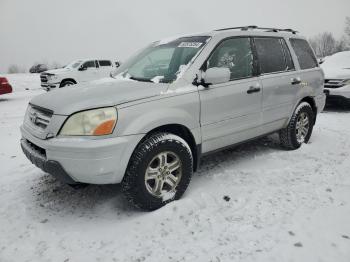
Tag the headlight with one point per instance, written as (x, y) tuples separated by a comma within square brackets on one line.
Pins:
[(51, 77), (96, 122)]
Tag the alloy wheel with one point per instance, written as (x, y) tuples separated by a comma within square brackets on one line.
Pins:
[(302, 127), (163, 174)]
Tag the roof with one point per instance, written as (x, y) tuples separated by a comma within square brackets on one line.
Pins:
[(245, 30)]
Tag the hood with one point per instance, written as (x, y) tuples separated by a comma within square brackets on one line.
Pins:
[(336, 73), (100, 93), (57, 71)]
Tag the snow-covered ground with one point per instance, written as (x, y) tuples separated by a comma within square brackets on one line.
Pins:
[(255, 202)]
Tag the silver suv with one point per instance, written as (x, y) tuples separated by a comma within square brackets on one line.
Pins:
[(171, 103)]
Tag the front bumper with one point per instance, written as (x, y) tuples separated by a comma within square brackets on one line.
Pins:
[(81, 160), (336, 99), (49, 166), (343, 91), (339, 95), (47, 86)]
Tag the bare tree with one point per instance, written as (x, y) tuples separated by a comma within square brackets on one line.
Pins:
[(324, 44), (347, 31), (347, 28), (342, 45), (13, 69)]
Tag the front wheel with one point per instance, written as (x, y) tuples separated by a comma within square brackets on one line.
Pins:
[(67, 83), (159, 171), (300, 127)]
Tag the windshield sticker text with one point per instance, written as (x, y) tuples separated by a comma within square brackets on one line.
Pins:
[(190, 44)]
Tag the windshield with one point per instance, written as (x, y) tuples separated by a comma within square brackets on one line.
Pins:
[(162, 61), (338, 60), (74, 64)]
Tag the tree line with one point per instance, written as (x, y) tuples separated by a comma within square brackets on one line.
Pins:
[(325, 44)]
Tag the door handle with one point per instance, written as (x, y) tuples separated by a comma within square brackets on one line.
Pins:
[(295, 81), (253, 89)]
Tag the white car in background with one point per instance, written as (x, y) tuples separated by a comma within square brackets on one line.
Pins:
[(78, 71), (337, 78)]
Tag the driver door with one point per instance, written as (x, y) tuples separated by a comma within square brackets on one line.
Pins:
[(231, 111), (88, 71)]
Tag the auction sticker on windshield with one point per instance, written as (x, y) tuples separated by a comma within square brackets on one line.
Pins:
[(190, 44)]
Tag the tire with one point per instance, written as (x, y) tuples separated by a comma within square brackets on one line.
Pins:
[(164, 151), (298, 132), (67, 83)]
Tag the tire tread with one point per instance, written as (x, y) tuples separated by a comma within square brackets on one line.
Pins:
[(130, 187)]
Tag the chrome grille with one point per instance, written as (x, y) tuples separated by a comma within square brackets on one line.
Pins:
[(333, 83), (39, 117), (43, 78)]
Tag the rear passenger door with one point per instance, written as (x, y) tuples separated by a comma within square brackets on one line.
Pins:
[(105, 68), (279, 80), (311, 75)]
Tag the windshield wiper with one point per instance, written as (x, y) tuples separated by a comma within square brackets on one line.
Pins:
[(141, 79)]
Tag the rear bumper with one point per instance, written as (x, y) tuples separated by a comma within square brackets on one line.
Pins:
[(320, 102), (5, 89), (81, 160)]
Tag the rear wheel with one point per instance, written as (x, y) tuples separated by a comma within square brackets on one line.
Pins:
[(159, 171), (300, 127)]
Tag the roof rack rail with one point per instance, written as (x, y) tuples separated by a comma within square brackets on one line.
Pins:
[(252, 27)]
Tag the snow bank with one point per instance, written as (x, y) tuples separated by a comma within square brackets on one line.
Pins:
[(255, 202), (23, 82)]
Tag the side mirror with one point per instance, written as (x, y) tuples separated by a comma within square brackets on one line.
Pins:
[(82, 68), (117, 64), (216, 75)]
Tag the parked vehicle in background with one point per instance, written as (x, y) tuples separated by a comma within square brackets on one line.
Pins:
[(173, 102), (78, 71), (337, 78), (5, 86), (38, 68)]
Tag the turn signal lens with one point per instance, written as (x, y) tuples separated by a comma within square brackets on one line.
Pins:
[(105, 128)]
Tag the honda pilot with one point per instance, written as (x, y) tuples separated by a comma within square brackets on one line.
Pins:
[(148, 126)]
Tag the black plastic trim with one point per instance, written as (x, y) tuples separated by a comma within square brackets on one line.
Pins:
[(337, 98), (52, 167)]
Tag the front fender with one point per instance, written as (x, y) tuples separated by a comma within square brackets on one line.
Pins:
[(144, 117)]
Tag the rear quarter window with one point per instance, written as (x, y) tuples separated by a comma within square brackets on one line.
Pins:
[(304, 53)]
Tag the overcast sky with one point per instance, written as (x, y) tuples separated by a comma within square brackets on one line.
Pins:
[(64, 30)]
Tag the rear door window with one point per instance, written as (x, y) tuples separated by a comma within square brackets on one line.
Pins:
[(89, 64), (304, 53), (270, 55), (105, 63)]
